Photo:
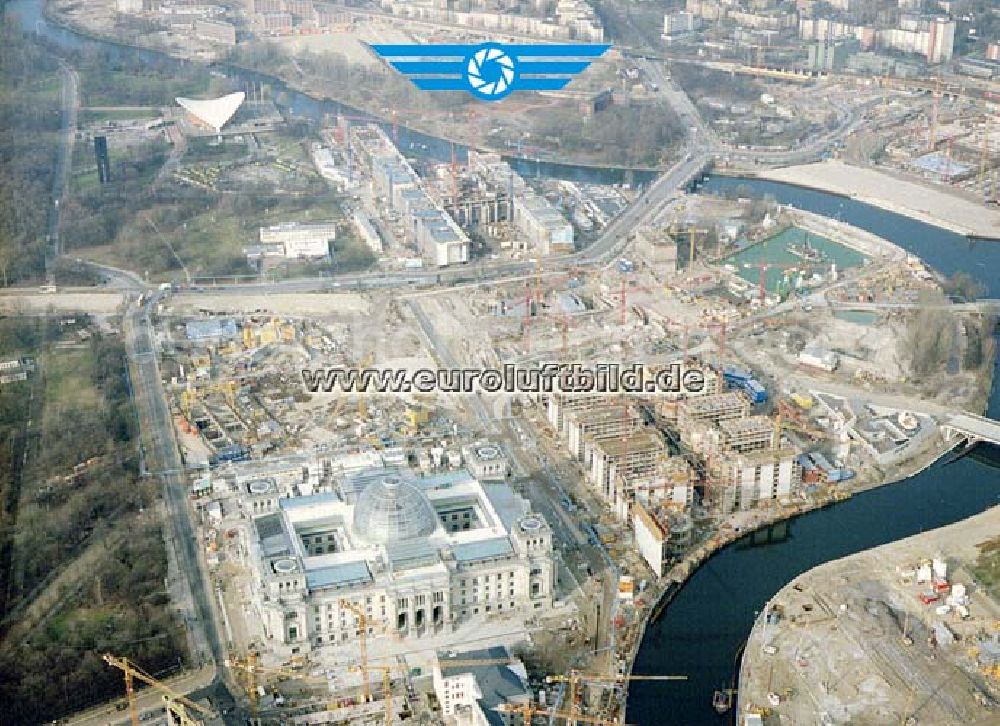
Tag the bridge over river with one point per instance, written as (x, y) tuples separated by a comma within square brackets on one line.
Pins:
[(984, 305), (971, 427)]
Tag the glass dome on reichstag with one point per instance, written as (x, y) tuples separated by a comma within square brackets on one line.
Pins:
[(391, 510)]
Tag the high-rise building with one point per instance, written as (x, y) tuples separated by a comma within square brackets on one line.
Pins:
[(674, 23), (103, 160), (941, 44), (933, 38), (832, 55)]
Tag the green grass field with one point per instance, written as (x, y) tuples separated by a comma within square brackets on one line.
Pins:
[(987, 567), (95, 115)]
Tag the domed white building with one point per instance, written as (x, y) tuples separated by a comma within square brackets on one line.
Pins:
[(420, 555), (393, 510)]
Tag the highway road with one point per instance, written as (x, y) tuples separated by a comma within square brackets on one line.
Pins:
[(444, 355), (986, 305), (704, 148), (162, 459), (707, 142), (601, 251)]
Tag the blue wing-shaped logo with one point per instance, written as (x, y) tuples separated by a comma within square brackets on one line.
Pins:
[(490, 71)]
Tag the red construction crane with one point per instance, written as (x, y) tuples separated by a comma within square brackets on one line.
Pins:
[(527, 320), (721, 327), (623, 298), (932, 130), (948, 161), (622, 309), (535, 293), (344, 127), (565, 337)]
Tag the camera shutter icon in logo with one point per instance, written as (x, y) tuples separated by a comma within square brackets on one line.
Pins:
[(490, 72)]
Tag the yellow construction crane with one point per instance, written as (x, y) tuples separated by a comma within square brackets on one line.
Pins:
[(250, 670), (176, 703), (450, 663), (386, 685), (575, 677), (228, 390), (335, 411), (386, 670), (180, 714), (249, 338), (359, 613), (192, 394), (529, 710), (188, 397), (362, 403)]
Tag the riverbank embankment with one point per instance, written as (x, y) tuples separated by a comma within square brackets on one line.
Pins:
[(890, 192)]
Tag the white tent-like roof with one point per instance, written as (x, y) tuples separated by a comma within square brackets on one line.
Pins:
[(215, 112)]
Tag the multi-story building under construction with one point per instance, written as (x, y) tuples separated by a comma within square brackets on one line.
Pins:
[(617, 462), (666, 404), (710, 409), (605, 420), (742, 481)]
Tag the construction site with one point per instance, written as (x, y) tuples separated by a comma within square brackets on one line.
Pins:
[(548, 524), (904, 633), (953, 143), (474, 207), (380, 557)]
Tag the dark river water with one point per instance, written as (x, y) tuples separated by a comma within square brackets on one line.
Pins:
[(701, 632)]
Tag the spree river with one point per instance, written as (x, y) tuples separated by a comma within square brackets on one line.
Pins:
[(701, 632)]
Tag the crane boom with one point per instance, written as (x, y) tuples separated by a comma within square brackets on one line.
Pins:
[(386, 686), (529, 710), (574, 677), (132, 672), (362, 617)]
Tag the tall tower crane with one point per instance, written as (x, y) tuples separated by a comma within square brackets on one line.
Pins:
[(935, 110), (386, 685), (251, 670), (387, 676), (176, 703), (359, 613), (362, 402), (721, 341), (765, 266), (344, 124)]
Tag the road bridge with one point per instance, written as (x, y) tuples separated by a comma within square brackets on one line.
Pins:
[(985, 305), (971, 427)]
